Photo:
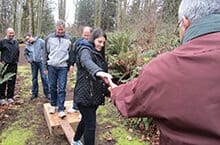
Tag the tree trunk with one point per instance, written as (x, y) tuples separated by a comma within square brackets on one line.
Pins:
[(62, 8), (98, 13), (39, 18)]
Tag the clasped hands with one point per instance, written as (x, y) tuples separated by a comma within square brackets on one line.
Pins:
[(107, 78)]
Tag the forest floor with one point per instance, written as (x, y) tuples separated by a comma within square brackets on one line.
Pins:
[(23, 122)]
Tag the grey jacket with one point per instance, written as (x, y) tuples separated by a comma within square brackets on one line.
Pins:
[(34, 51), (57, 50)]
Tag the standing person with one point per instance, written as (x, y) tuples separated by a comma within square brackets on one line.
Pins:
[(34, 54), (180, 89), (55, 60), (86, 32), (90, 89), (9, 49)]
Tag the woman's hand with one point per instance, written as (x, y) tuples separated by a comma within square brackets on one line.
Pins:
[(105, 76)]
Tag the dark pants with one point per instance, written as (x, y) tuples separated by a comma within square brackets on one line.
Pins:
[(87, 125), (35, 68), (9, 86)]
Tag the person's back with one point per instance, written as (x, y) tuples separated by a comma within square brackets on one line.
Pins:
[(180, 89), (187, 108)]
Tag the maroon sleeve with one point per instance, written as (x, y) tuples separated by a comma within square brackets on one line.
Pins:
[(134, 98)]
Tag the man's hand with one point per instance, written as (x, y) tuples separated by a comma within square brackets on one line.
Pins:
[(71, 69), (46, 72)]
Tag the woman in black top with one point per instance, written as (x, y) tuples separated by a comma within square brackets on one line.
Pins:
[(91, 84)]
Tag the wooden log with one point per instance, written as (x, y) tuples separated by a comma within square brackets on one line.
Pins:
[(68, 130), (53, 121)]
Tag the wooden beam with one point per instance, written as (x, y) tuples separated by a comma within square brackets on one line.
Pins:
[(53, 121), (68, 130)]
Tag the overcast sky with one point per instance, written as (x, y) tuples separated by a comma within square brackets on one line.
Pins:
[(70, 10)]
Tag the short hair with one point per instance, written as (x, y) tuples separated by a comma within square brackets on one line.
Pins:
[(9, 29), (195, 9), (86, 28), (27, 34), (61, 23), (98, 32)]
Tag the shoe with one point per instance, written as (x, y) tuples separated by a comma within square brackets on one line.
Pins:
[(76, 142), (10, 101), (62, 114), (71, 110), (3, 102), (52, 109)]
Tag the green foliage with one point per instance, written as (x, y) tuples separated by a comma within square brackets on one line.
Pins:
[(170, 10), (121, 55), (118, 131), (15, 136), (166, 39), (85, 12), (4, 77), (122, 137)]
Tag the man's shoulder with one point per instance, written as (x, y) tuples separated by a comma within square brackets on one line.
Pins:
[(50, 35)]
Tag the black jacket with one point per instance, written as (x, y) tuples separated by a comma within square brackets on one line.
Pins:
[(89, 89), (9, 51)]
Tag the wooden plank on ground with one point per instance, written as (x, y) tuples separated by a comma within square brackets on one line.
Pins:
[(53, 121), (68, 130)]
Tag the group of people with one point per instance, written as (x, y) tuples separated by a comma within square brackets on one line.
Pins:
[(179, 89)]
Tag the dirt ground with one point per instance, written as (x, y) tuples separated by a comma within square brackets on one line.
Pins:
[(8, 115)]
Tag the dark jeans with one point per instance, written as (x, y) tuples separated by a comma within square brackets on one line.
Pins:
[(9, 86), (75, 106), (57, 80), (87, 125), (35, 67)]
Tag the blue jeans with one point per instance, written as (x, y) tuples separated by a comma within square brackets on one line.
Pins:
[(57, 79), (87, 125), (35, 67), (75, 106)]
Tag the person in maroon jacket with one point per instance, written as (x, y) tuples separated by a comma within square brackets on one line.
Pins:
[(181, 89)]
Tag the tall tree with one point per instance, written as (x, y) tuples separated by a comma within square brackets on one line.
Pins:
[(170, 10), (85, 12), (108, 15), (98, 13), (62, 8), (40, 15)]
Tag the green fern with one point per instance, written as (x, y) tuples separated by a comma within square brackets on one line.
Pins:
[(4, 77)]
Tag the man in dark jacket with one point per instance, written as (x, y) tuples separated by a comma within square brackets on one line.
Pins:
[(34, 54), (180, 89), (9, 57)]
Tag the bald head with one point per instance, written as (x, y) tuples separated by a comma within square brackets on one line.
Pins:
[(10, 33), (86, 32)]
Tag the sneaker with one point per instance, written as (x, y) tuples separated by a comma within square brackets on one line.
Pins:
[(62, 114), (71, 110), (76, 142), (52, 109), (3, 102), (10, 101)]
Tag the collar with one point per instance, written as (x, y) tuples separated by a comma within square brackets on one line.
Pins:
[(202, 26)]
